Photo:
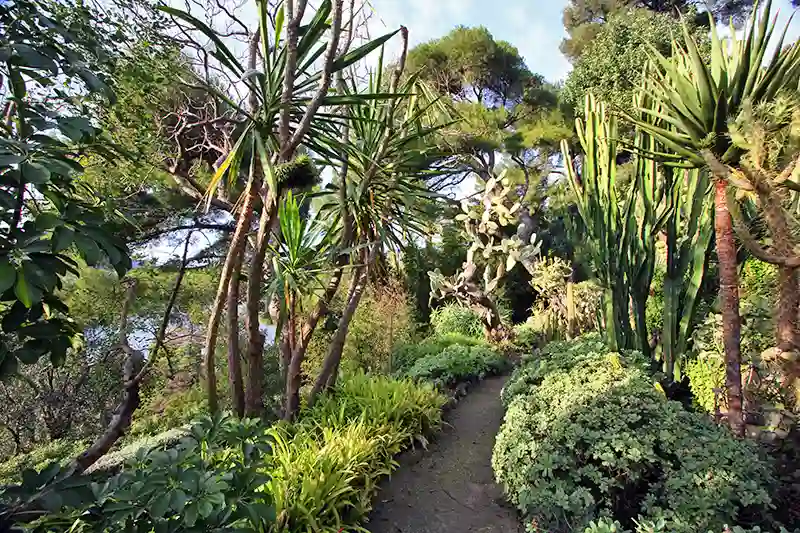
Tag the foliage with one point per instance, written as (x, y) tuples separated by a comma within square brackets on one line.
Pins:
[(598, 439), (470, 62), (405, 355), (706, 369), (611, 65), (456, 318), (620, 229), (447, 255), (759, 281), (457, 363), (318, 474), (382, 321), (62, 451), (700, 97), (325, 468), (211, 479), (46, 213), (550, 313), (584, 20), (561, 356)]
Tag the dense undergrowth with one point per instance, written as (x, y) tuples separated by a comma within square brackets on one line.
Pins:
[(588, 435), (318, 474)]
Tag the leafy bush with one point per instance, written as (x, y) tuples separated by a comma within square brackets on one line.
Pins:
[(325, 469), (456, 318), (706, 368), (593, 437), (318, 474), (561, 355), (211, 480), (61, 451), (405, 355), (457, 363)]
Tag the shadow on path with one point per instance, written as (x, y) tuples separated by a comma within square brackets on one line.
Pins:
[(449, 488)]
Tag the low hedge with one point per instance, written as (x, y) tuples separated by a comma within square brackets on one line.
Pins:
[(318, 474), (457, 363), (587, 435)]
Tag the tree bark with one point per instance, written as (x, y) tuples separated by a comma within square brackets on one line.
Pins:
[(234, 357), (131, 377), (729, 296), (254, 404), (234, 254)]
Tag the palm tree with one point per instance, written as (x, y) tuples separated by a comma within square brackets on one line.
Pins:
[(698, 99)]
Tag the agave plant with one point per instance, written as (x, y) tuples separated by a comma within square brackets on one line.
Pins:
[(697, 101)]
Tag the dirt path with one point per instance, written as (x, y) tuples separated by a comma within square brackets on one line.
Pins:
[(449, 488)]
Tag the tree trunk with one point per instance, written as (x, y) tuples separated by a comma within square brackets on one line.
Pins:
[(254, 404), (327, 375), (234, 357), (787, 327), (235, 252), (729, 297)]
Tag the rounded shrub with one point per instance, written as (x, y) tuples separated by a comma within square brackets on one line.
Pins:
[(599, 440), (457, 363), (456, 318)]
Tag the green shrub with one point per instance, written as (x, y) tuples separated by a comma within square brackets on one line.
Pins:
[(456, 318), (405, 355), (561, 355), (62, 451), (325, 469), (210, 481), (598, 439), (457, 363), (605, 525), (318, 474), (706, 367)]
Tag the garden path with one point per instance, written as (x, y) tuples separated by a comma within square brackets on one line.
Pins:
[(449, 488)]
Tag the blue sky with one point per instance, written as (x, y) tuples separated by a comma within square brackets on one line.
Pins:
[(533, 26)]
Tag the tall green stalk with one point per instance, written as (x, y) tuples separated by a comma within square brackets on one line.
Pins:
[(689, 230)]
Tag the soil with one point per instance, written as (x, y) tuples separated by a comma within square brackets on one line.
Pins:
[(449, 488)]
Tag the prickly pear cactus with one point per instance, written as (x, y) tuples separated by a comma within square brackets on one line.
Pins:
[(483, 224)]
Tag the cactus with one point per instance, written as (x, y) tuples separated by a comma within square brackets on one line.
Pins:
[(483, 225)]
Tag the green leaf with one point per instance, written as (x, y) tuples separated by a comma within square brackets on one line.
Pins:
[(45, 221), (190, 515), (22, 290), (35, 173), (31, 58), (6, 160), (158, 507), (88, 248), (62, 238), (178, 500), (8, 275), (8, 364), (361, 52)]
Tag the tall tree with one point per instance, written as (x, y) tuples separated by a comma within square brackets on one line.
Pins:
[(699, 101), (583, 19)]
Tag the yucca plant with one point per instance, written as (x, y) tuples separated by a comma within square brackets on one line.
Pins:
[(697, 100), (381, 197), (289, 90)]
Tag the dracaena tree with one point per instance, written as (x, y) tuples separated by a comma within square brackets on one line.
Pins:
[(698, 100), (381, 199), (288, 78)]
